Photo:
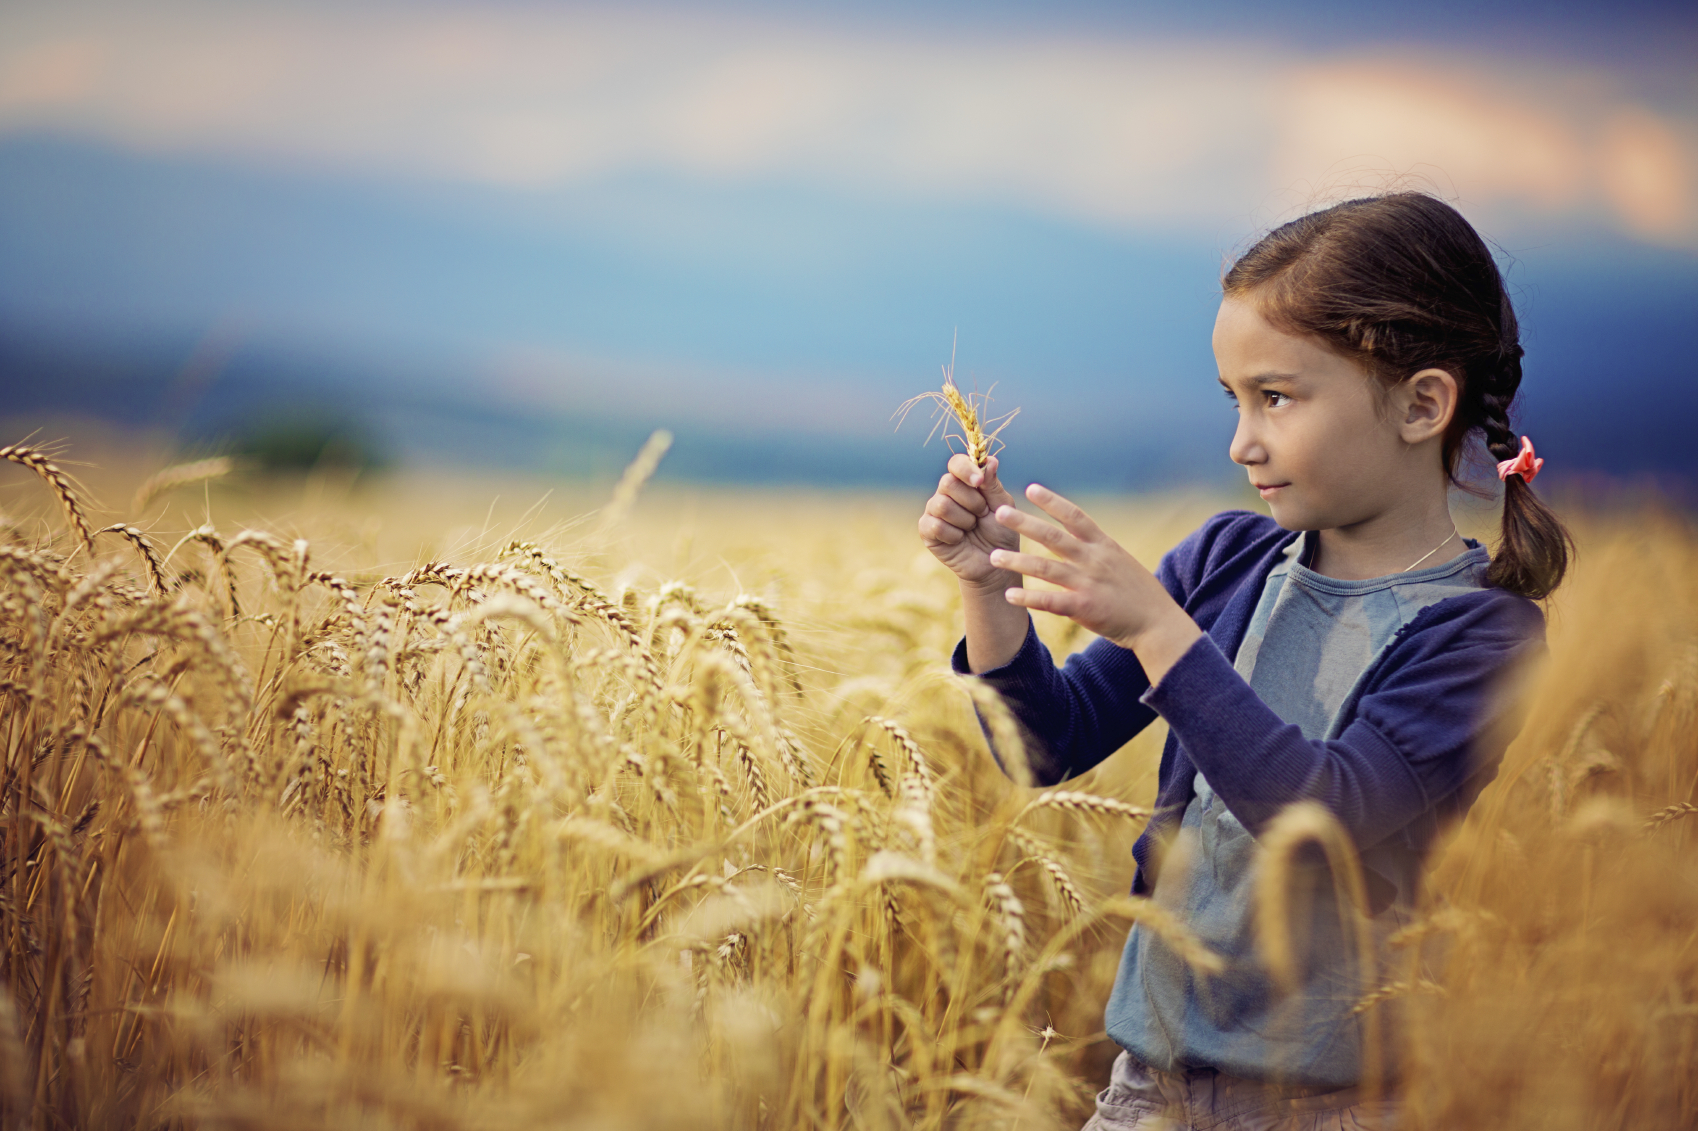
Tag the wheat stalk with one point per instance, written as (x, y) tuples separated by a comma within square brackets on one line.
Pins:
[(1308, 822), (39, 565), (1073, 801), (1011, 914), (39, 462), (1172, 930), (1044, 855), (630, 484), (1395, 990), (1305, 823), (207, 536), (833, 824), (775, 632), (144, 547), (1673, 813), (968, 412), (905, 742), (180, 475)]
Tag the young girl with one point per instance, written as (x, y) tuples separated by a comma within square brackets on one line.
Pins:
[(1344, 651)]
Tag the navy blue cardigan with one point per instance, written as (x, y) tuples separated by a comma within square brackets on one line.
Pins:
[(1422, 736)]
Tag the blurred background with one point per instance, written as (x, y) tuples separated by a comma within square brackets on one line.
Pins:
[(522, 236)]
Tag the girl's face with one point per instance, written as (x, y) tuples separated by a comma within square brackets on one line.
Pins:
[(1324, 445)]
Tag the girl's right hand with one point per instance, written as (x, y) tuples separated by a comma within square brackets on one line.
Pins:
[(960, 526)]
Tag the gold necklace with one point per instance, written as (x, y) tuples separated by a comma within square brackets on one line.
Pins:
[(1431, 552)]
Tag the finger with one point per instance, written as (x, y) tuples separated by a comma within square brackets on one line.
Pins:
[(1057, 601), (963, 468), (968, 498), (1034, 565), (940, 506), (1068, 513), (991, 484), (936, 532), (1038, 530)]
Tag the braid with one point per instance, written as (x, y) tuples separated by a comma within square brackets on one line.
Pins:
[(1495, 400), (1534, 551)]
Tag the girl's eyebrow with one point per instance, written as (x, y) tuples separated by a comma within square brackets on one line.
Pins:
[(1264, 379)]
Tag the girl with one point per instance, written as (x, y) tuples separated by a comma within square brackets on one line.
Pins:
[(1343, 651)]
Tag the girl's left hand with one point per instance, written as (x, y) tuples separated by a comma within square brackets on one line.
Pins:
[(1102, 587)]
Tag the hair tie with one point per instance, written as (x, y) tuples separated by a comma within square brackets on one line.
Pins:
[(1525, 464)]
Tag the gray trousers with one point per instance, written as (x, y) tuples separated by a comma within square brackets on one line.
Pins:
[(1205, 1100)]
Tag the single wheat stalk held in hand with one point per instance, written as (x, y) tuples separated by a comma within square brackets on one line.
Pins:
[(978, 430)]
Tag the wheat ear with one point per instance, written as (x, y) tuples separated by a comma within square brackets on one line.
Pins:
[(1076, 802), (1040, 852), (155, 567), (968, 412), (1673, 813), (1296, 825), (38, 462), (1395, 990), (1171, 929), (1308, 822), (1011, 913), (631, 482), (180, 475)]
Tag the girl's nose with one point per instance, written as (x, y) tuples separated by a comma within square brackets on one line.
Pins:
[(1246, 449)]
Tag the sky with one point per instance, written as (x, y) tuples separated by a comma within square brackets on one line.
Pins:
[(525, 234)]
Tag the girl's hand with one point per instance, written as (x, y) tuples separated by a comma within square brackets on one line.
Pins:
[(960, 527), (1103, 587)]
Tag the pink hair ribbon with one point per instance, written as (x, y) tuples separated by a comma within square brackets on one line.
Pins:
[(1525, 464)]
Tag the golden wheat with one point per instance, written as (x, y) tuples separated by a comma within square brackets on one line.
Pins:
[(180, 475), (292, 837), (40, 463), (144, 547)]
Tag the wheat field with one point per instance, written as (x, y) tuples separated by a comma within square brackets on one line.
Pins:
[(401, 806)]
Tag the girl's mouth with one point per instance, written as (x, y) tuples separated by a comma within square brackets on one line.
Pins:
[(1267, 490)]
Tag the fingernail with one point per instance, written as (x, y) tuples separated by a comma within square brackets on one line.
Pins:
[(996, 557)]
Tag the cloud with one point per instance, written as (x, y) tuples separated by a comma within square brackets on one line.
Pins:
[(1648, 173), (1123, 132), (1396, 115)]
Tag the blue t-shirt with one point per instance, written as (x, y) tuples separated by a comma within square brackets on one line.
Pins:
[(1304, 652)]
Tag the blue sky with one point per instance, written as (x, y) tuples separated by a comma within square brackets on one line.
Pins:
[(762, 227)]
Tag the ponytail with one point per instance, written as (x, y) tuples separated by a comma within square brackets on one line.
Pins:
[(1533, 555), (1402, 283)]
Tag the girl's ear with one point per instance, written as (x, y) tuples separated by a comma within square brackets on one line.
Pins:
[(1425, 404)]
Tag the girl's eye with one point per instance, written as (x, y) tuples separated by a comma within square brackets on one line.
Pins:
[(1231, 396), (1275, 400)]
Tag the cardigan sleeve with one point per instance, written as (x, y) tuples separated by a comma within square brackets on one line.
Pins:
[(1079, 714), (1423, 725), (1073, 716)]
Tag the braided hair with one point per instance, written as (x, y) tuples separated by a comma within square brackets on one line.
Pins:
[(1401, 283)]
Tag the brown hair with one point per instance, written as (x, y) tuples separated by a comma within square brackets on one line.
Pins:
[(1402, 283)]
